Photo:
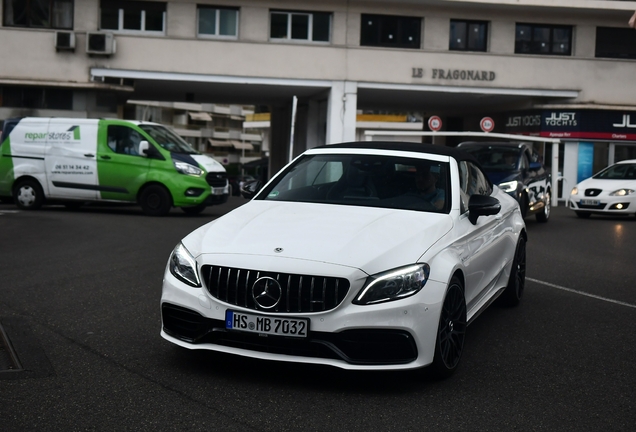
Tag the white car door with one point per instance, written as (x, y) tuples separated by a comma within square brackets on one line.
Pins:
[(71, 163), (485, 246)]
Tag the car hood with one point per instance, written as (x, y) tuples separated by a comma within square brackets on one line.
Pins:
[(606, 185), (208, 163), (369, 239), (497, 177)]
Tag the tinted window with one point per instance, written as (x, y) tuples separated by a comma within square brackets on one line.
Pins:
[(618, 172), (57, 14), (167, 139), (543, 39), (468, 35), (494, 158), (365, 180), (390, 31), (615, 43)]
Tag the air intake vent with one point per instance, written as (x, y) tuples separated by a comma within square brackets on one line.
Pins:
[(100, 44), (64, 41)]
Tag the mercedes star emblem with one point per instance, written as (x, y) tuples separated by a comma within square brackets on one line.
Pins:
[(266, 292)]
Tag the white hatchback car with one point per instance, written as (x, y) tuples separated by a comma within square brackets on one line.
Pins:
[(611, 191), (359, 255)]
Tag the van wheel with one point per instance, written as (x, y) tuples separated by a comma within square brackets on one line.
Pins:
[(28, 194), (155, 200), (193, 210)]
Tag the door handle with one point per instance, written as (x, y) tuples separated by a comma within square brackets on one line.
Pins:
[(89, 155), (105, 157)]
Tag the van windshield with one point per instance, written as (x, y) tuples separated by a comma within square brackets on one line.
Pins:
[(167, 139)]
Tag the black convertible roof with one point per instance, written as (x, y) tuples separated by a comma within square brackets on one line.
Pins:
[(405, 146)]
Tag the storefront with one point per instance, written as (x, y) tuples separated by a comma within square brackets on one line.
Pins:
[(591, 139)]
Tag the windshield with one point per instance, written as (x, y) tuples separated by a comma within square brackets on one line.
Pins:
[(494, 158), (624, 171), (167, 139), (365, 180)]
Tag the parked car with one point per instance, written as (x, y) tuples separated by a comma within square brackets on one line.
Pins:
[(369, 256), (237, 182), (517, 169), (611, 191)]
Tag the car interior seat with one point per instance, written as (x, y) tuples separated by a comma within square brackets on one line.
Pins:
[(355, 184)]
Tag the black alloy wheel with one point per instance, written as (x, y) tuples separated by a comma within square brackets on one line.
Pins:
[(155, 200), (517, 282), (451, 331)]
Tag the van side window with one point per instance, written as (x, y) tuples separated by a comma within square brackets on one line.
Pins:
[(124, 140)]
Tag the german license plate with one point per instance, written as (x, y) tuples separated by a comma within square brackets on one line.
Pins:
[(240, 321), (217, 191), (590, 202)]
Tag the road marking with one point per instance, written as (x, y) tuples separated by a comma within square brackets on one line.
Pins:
[(582, 293)]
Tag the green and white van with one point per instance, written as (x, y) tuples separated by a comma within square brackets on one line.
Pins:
[(73, 161)]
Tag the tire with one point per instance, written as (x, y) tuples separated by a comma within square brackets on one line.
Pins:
[(544, 214), (194, 210), (514, 291), (451, 331), (155, 200), (583, 215), (523, 205), (28, 194)]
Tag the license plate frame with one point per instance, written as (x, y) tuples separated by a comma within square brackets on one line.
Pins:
[(590, 202), (275, 325)]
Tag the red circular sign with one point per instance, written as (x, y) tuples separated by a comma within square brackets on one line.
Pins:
[(487, 124), (435, 123)]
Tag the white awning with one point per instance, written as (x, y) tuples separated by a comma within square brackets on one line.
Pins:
[(203, 116), (242, 145), (215, 143)]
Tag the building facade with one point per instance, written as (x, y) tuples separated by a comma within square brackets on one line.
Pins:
[(318, 64)]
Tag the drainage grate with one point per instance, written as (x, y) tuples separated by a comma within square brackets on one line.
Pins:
[(8, 359)]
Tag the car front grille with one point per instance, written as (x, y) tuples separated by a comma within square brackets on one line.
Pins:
[(592, 192), (216, 179), (295, 293), (600, 206)]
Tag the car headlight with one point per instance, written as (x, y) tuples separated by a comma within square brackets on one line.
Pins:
[(575, 191), (393, 285), (183, 266), (622, 192), (188, 169), (510, 186)]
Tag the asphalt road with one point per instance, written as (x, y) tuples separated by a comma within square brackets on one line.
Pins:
[(79, 300)]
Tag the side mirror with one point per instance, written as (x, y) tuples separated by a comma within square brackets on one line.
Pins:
[(149, 151), (249, 190), (535, 166), (482, 205), (143, 148)]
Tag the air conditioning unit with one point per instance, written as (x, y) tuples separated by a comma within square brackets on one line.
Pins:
[(64, 41), (100, 43)]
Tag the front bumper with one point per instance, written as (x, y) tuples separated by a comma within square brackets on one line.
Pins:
[(393, 335), (604, 203)]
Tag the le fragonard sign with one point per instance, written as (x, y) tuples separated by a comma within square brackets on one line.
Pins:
[(575, 124), (453, 74)]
